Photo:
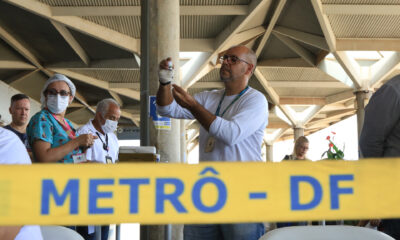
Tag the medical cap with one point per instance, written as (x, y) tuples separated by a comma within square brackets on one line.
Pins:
[(56, 78)]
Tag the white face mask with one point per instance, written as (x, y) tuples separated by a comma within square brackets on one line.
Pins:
[(109, 126), (57, 104)]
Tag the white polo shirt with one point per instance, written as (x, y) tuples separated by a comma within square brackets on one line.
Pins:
[(12, 151), (97, 152)]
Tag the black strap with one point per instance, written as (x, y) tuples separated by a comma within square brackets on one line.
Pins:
[(165, 84), (105, 144)]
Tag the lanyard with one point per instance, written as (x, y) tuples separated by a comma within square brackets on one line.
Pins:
[(234, 100), (105, 144), (67, 128)]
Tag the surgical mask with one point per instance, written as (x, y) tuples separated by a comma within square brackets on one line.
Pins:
[(57, 104), (109, 126)]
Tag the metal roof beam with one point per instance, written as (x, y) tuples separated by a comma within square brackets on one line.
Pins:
[(350, 66), (270, 27), (196, 45), (271, 138), (19, 47), (213, 10), (20, 77), (66, 34), (339, 97), (109, 64), (360, 9), (297, 48), (95, 30), (345, 61), (245, 36), (280, 124), (267, 86), (311, 114), (99, 83), (116, 97), (11, 64), (383, 68), (310, 39), (368, 44), (284, 63), (302, 101), (307, 84), (289, 113), (224, 38), (194, 74)]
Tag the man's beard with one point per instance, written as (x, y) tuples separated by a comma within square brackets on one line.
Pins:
[(225, 79)]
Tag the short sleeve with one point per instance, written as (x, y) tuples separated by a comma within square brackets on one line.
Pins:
[(40, 128)]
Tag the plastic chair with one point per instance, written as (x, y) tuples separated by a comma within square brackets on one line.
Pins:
[(59, 233), (325, 233)]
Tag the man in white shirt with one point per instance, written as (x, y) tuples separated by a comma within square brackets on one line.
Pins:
[(12, 151), (105, 148), (232, 122)]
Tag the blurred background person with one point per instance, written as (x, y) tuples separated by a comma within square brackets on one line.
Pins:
[(52, 137), (300, 149), (12, 151), (19, 109)]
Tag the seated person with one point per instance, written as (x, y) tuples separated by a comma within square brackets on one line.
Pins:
[(51, 136), (300, 149)]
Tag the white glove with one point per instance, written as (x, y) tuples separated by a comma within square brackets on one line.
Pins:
[(166, 76)]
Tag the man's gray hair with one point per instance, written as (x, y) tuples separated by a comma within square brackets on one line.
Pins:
[(102, 106)]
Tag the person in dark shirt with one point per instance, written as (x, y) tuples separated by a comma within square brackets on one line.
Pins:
[(380, 137), (19, 109)]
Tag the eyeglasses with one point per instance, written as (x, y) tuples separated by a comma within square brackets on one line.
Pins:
[(54, 92), (232, 59)]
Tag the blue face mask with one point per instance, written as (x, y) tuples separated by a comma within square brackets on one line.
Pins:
[(57, 104)]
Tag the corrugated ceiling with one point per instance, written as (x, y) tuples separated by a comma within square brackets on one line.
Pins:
[(82, 3), (374, 2), (295, 74), (365, 26)]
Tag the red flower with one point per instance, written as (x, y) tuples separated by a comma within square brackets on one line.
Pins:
[(328, 137), (333, 133), (330, 145)]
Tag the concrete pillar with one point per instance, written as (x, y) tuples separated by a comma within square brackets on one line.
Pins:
[(269, 152), (360, 106), (163, 41), (167, 45), (298, 132)]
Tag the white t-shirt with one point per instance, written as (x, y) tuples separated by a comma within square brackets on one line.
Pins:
[(239, 133), (97, 152), (12, 151)]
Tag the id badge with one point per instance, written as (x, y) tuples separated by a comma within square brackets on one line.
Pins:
[(79, 158), (209, 145), (109, 160)]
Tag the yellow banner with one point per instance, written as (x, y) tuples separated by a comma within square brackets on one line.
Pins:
[(205, 193)]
